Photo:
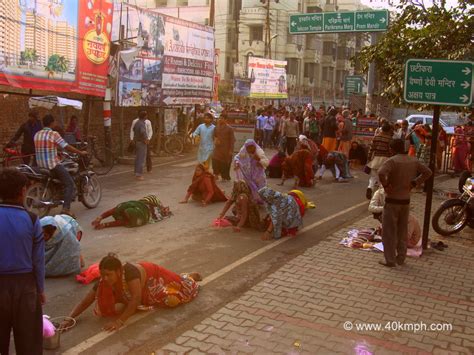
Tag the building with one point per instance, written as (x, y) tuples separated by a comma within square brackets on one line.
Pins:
[(10, 33), (317, 63), (48, 37)]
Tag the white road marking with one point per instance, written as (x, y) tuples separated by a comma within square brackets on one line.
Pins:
[(90, 342)]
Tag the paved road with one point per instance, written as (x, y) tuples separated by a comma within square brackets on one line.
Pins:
[(186, 242)]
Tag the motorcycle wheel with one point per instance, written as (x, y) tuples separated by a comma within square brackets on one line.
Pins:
[(36, 193), (91, 191), (449, 219)]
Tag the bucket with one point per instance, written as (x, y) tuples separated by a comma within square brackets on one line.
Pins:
[(53, 342)]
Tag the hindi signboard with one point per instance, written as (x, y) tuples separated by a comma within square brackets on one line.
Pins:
[(438, 82), (174, 64), (333, 22), (267, 78), (56, 45), (353, 84)]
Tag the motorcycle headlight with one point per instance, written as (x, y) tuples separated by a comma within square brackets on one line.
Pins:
[(469, 184)]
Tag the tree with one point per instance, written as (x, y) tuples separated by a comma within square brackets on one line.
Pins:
[(56, 64), (28, 55), (419, 31)]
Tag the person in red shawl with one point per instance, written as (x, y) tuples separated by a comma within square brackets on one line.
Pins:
[(299, 165), (132, 287), (204, 188)]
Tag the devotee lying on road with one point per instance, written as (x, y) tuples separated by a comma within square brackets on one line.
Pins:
[(132, 287), (274, 167), (204, 188), (134, 213), (300, 166), (376, 206), (245, 212), (285, 212), (338, 164), (250, 164), (357, 155), (62, 254)]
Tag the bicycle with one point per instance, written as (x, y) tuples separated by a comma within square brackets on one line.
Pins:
[(101, 161), (12, 156), (173, 144)]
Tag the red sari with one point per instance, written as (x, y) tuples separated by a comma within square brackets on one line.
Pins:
[(163, 288), (204, 188), (300, 164)]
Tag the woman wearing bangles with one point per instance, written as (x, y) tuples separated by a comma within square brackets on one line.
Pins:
[(285, 212), (133, 287)]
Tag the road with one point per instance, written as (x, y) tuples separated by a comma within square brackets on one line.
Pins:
[(230, 262)]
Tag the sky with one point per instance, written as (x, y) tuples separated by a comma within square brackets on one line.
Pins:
[(384, 4)]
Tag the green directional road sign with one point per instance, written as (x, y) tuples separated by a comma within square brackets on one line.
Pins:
[(353, 84), (333, 22), (438, 82)]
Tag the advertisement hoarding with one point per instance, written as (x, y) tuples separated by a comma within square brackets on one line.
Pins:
[(56, 45), (173, 63), (267, 78)]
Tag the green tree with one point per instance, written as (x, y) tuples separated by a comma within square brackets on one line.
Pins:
[(28, 55), (418, 31), (56, 64)]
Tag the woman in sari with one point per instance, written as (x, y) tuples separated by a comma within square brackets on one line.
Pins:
[(134, 213), (132, 287), (250, 164), (285, 212), (460, 150), (62, 253), (245, 212), (274, 167), (300, 166), (204, 188)]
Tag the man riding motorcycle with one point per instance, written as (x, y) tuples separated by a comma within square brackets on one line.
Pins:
[(47, 142)]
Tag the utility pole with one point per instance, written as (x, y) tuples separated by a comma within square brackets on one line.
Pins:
[(267, 30), (212, 13)]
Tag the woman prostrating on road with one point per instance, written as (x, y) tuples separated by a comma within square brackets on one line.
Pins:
[(132, 287)]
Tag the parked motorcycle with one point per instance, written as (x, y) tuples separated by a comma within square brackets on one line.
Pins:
[(46, 191), (454, 214)]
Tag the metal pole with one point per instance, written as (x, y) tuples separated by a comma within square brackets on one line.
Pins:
[(212, 13), (267, 30), (430, 182), (371, 77)]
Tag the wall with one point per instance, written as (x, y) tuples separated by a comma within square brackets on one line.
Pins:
[(14, 111)]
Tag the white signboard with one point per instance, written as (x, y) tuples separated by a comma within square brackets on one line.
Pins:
[(268, 78)]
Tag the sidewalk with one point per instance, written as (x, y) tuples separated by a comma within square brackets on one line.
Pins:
[(304, 307)]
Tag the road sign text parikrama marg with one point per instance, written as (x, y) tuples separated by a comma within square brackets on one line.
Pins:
[(330, 22), (438, 82)]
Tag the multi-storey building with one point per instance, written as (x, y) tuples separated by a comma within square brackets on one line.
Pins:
[(317, 63), (10, 30)]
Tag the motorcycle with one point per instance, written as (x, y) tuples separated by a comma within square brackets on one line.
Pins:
[(454, 214), (46, 191)]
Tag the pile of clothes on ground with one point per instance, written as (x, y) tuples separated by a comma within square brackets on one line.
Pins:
[(362, 239)]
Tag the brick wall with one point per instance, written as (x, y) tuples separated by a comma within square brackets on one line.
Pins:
[(14, 110)]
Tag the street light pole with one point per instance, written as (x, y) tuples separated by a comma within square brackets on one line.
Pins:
[(267, 30)]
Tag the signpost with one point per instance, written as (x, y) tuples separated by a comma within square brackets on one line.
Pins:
[(353, 84), (334, 22), (437, 82)]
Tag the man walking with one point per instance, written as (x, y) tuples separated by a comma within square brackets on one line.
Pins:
[(268, 126), (224, 141), (141, 141), (206, 146), (28, 131), (398, 175), (346, 134), (149, 134), (47, 143), (22, 269), (404, 133), (291, 131)]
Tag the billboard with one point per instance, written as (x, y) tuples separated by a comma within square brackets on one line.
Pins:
[(56, 45), (173, 63), (267, 78)]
